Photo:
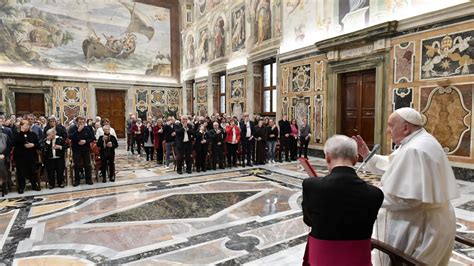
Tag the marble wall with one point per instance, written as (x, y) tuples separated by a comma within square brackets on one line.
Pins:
[(201, 98), (156, 101), (237, 91), (70, 100), (433, 71), (67, 100), (303, 94)]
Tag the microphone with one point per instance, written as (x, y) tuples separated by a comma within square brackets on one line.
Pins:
[(367, 159)]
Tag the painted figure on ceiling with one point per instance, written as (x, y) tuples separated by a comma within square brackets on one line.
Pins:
[(264, 17), (203, 50), (219, 38), (190, 51), (238, 31)]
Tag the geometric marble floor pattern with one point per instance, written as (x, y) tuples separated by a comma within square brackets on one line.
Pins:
[(249, 216), (233, 217)]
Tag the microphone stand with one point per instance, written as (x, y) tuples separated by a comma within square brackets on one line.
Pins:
[(367, 159)]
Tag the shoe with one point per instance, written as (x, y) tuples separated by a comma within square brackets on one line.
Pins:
[(75, 184), (50, 186), (250, 165), (112, 179), (189, 172), (198, 170), (204, 170), (89, 182), (20, 191), (214, 168), (61, 185), (104, 180), (180, 172), (243, 165)]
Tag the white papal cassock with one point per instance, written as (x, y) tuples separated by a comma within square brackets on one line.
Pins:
[(418, 184)]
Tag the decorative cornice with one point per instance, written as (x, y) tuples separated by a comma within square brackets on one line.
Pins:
[(85, 80), (236, 70), (304, 51), (450, 13), (263, 54), (360, 37), (201, 79)]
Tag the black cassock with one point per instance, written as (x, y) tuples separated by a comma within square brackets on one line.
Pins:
[(261, 138)]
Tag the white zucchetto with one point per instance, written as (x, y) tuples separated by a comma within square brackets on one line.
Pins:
[(410, 115)]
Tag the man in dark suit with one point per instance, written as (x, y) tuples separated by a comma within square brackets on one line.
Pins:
[(247, 131), (340, 206), (81, 136), (5, 129), (9, 145), (217, 145), (184, 144), (285, 130)]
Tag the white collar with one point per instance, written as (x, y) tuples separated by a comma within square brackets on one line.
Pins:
[(409, 137)]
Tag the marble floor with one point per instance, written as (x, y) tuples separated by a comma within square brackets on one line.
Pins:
[(152, 216)]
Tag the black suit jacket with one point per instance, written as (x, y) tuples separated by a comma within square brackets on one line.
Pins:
[(285, 128), (76, 136), (340, 206), (216, 138), (167, 130), (243, 130), (107, 152), (179, 129), (47, 148)]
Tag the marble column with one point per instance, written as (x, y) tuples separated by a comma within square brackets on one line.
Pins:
[(250, 90), (210, 95), (184, 98)]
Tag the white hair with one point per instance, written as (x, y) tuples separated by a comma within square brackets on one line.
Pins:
[(51, 131), (340, 146)]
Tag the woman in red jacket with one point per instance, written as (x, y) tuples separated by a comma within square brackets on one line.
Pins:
[(232, 139)]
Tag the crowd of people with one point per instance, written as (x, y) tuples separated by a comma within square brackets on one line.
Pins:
[(31, 146), (416, 187), (217, 141)]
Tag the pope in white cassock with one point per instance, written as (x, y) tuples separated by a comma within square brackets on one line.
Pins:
[(418, 184)]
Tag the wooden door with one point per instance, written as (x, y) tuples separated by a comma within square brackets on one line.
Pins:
[(111, 105), (358, 105), (27, 103)]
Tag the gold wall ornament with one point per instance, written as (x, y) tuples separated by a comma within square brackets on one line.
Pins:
[(445, 114)]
